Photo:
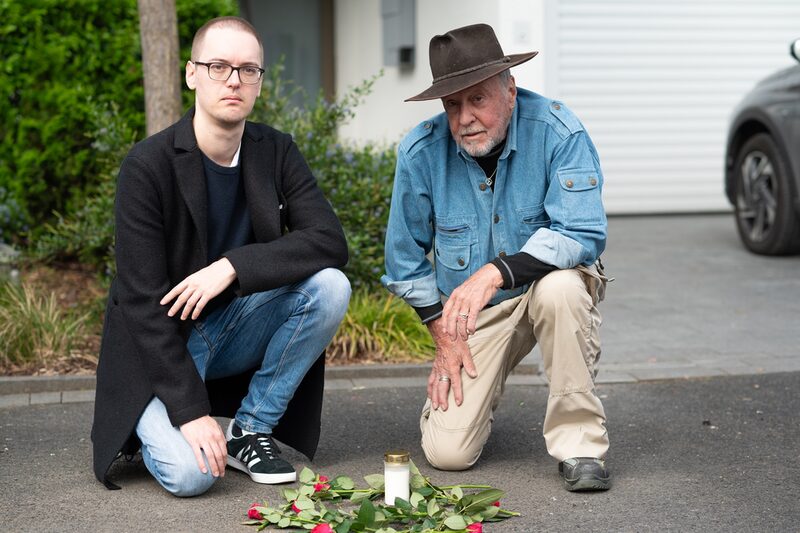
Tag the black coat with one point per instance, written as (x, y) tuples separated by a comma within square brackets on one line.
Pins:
[(161, 238)]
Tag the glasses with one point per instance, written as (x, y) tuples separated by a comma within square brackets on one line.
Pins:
[(222, 72)]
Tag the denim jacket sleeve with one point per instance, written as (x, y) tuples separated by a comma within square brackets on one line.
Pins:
[(577, 231), (409, 238)]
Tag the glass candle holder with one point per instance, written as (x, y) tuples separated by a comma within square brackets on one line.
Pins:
[(396, 475)]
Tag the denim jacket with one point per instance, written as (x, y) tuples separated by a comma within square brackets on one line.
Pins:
[(546, 202)]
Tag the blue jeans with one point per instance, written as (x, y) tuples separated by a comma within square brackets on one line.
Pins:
[(281, 332)]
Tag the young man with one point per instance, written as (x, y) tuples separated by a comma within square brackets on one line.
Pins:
[(227, 288), (504, 189)]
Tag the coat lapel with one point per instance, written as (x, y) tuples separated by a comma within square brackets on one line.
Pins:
[(258, 164), (191, 177)]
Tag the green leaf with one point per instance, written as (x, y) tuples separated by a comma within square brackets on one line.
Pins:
[(344, 527), (400, 503), (417, 481), (358, 496), (457, 492), (433, 507), (343, 482), (289, 494), (416, 499), (413, 467), (366, 513), (482, 500), (307, 475), (456, 522), (284, 522), (274, 517), (425, 491), (304, 503), (306, 490), (490, 512), (375, 481)]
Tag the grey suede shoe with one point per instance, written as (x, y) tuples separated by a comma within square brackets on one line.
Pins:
[(584, 474)]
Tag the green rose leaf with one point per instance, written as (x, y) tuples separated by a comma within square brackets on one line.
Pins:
[(413, 468), (490, 512), (344, 527), (433, 507), (417, 481), (289, 494), (400, 503), (274, 518), (386, 530), (306, 490), (425, 491), (366, 513), (251, 522), (456, 522), (457, 493), (375, 481), (307, 475), (416, 499), (482, 500), (358, 496), (284, 522), (303, 503), (344, 483)]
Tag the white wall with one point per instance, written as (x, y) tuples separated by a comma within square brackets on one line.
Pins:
[(384, 116)]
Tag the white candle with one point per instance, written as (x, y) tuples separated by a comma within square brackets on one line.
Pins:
[(396, 475)]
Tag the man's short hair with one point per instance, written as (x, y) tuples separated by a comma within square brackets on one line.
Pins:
[(236, 23)]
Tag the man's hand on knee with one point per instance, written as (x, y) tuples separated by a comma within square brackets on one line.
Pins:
[(460, 314), (194, 292), (204, 435), (451, 355)]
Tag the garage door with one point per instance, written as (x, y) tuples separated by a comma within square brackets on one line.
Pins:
[(655, 84)]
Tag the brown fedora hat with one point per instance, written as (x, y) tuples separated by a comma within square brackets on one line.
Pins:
[(465, 57)]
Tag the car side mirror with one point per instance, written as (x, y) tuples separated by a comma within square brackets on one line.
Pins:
[(794, 50)]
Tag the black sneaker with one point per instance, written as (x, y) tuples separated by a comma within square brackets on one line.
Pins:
[(257, 454), (584, 473)]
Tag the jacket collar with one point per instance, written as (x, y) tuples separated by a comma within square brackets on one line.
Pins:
[(256, 162)]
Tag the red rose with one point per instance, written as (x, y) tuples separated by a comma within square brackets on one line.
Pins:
[(318, 487), (475, 527), (253, 513), (323, 479), (496, 504), (295, 508), (322, 528)]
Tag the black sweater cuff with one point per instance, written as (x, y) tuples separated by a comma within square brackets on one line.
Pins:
[(430, 312), (520, 269)]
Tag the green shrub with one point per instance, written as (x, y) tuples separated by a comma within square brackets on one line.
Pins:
[(34, 330), (60, 59), (357, 180), (380, 327)]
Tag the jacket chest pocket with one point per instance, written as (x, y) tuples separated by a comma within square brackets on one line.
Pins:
[(453, 239)]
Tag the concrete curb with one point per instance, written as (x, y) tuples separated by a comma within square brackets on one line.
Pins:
[(17, 391)]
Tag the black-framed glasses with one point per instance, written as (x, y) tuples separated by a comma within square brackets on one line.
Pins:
[(248, 74)]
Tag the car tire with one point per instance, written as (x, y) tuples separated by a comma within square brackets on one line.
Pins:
[(765, 216)]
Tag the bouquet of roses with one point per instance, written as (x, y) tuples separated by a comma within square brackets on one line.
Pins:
[(325, 505)]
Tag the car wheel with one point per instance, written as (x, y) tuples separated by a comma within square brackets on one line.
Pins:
[(765, 218)]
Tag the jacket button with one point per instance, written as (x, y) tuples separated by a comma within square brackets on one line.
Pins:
[(569, 184), (556, 107), (460, 261), (427, 125), (593, 182), (496, 219), (502, 253), (482, 186)]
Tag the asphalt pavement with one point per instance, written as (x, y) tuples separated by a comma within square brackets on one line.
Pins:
[(699, 377)]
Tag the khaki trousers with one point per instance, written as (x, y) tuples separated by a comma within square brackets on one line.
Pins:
[(559, 312)]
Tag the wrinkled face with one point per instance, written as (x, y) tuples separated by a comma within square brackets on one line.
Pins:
[(479, 115), (226, 102)]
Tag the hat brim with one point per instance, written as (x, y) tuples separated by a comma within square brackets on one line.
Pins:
[(459, 83)]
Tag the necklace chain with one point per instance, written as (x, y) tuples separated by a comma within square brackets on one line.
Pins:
[(489, 180)]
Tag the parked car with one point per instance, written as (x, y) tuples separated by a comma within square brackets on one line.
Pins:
[(762, 163)]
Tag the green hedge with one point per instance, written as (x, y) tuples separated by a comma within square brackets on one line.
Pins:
[(61, 59)]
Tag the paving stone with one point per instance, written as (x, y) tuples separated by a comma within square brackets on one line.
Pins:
[(678, 372), (614, 377), (338, 384), (389, 382), (45, 397), (14, 400), (74, 396)]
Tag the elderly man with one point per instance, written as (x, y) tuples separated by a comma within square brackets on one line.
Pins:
[(227, 288), (504, 190)]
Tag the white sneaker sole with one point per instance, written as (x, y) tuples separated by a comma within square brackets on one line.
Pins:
[(268, 479)]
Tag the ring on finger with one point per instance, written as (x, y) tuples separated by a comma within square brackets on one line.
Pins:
[(463, 316), (444, 379)]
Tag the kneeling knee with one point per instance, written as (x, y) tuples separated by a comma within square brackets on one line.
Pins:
[(446, 456), (334, 290), (186, 481)]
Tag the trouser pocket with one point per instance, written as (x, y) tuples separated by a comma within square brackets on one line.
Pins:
[(595, 279)]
